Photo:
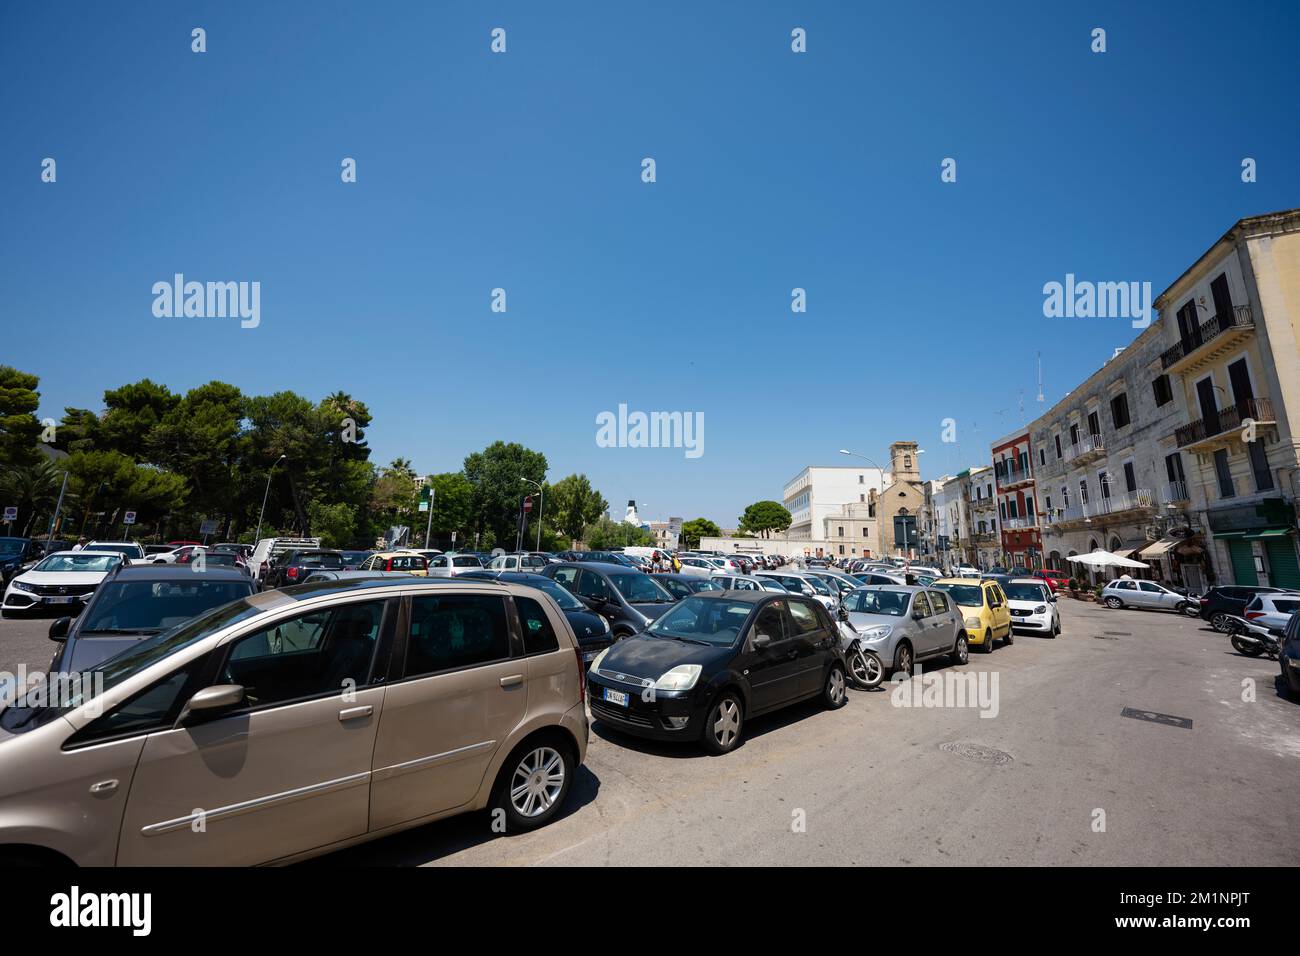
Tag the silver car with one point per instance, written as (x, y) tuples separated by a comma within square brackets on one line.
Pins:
[(1126, 592), (801, 582), (905, 624), (745, 582)]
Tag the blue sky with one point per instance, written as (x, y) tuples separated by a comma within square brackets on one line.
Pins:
[(522, 171)]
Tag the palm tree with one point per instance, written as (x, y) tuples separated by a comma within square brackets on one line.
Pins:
[(33, 488)]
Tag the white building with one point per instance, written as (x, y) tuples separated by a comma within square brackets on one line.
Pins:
[(818, 493)]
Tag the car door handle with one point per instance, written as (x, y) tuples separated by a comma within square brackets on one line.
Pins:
[(512, 680), (352, 713), (104, 786)]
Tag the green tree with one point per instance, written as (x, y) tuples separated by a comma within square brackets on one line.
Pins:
[(20, 429), (335, 524), (570, 505), (453, 504), (693, 531), (33, 489), (133, 411), (764, 517), (603, 534), (199, 439), (113, 479), (497, 474), (80, 430)]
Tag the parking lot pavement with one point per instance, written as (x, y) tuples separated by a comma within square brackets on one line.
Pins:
[(876, 783)]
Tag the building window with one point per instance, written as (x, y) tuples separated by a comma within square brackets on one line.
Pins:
[(1224, 474), (907, 462), (1119, 411), (1083, 492), (1094, 425), (1074, 434), (1042, 456), (841, 530), (1058, 444), (1130, 477), (1163, 391), (864, 532), (862, 480), (1103, 482), (1259, 465)]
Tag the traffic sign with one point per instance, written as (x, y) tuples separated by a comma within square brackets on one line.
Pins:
[(528, 504), (129, 518), (209, 526), (11, 513)]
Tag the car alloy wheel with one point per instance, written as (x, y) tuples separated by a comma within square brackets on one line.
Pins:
[(904, 660), (537, 782), (1221, 622), (962, 649), (836, 691), (724, 723), (1114, 602)]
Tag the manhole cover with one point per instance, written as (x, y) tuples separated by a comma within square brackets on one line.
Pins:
[(976, 752)]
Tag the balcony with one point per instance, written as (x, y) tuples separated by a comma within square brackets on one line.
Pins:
[(1013, 476), (1211, 340), (1018, 524), (1123, 506), (1089, 448), (1176, 492), (1221, 429)]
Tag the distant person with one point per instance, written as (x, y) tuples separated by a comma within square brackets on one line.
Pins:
[(81, 543)]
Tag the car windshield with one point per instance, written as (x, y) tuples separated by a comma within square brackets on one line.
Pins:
[(639, 588), (466, 561), (818, 585), (1026, 592), (706, 620), (153, 606), (76, 561), (893, 603), (562, 597), (11, 545), (706, 585), (967, 595)]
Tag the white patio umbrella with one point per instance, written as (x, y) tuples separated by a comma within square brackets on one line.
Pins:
[(1106, 559)]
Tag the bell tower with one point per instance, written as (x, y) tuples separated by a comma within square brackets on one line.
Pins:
[(903, 461)]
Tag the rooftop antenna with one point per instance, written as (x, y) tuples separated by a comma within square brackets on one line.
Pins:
[(1040, 377)]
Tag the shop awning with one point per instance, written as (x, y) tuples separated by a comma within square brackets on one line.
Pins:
[(1128, 553), (1267, 533), (1225, 535), (1158, 548)]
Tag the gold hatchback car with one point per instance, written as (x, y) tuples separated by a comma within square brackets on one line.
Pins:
[(295, 722)]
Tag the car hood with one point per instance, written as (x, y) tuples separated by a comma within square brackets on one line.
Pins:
[(61, 577), (652, 657)]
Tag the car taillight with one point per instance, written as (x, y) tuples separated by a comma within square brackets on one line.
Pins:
[(1254, 615), (291, 573), (582, 676), (1204, 601)]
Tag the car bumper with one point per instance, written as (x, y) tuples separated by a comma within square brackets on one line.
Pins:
[(1033, 622), (25, 601), (663, 717)]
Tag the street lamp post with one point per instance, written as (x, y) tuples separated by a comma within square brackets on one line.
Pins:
[(541, 501), (257, 536)]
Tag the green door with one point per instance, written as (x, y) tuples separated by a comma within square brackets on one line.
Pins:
[(1283, 570), (1243, 562)]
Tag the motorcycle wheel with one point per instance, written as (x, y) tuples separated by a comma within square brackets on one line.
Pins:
[(1189, 609), (1249, 648), (865, 669)]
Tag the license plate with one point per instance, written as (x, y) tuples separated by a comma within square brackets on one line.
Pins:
[(59, 600), (616, 697)]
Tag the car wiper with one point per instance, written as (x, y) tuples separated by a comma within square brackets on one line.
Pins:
[(691, 640), (122, 630)]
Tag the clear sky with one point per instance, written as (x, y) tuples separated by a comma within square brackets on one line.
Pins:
[(522, 171)]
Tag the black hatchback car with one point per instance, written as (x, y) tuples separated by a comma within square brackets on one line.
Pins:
[(591, 630), (1230, 600), (629, 599), (134, 602), (710, 663)]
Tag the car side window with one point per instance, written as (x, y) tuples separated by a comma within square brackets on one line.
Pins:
[(450, 631), (921, 604), (592, 585), (803, 618), (567, 577), (939, 601), (1148, 586), (325, 652), (539, 636), (154, 708), (991, 596), (771, 621)]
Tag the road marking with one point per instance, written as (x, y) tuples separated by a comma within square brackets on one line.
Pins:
[(1151, 715)]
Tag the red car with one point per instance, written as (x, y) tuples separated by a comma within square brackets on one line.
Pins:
[(1055, 579)]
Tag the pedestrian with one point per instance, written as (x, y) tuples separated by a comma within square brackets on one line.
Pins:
[(677, 564), (81, 543)]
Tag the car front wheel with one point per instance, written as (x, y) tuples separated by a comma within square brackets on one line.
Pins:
[(1114, 602), (961, 650), (987, 646), (723, 725), (835, 693)]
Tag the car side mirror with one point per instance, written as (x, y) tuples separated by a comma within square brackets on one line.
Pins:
[(761, 641), (59, 629), (212, 700)]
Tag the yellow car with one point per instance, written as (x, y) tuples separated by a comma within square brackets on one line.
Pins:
[(983, 608)]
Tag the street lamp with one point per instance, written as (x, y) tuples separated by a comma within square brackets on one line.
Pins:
[(541, 500), (257, 536)]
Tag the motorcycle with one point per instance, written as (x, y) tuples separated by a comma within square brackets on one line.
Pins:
[(1192, 606), (1252, 640), (866, 670)]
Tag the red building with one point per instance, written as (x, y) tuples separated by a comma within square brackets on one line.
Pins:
[(1018, 520)]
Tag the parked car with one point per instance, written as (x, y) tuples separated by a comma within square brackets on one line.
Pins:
[(746, 582), (1289, 658), (14, 553), (904, 624), (1033, 606), (292, 567), (605, 557), (224, 559), (178, 555), (591, 630), (713, 662), (265, 713), (684, 585), (983, 606), (1272, 610), (135, 602), (697, 567), (1126, 592), (628, 599), (450, 565), (63, 580), (351, 574), (129, 550), (267, 550), (352, 560), (407, 562), (1054, 579), (1220, 603), (520, 561), (801, 582)]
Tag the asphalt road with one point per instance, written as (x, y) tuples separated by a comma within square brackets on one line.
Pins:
[(877, 783)]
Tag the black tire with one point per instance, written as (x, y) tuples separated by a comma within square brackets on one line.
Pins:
[(1290, 682), (1221, 622), (1010, 637), (866, 670), (904, 660), (960, 654), (1113, 602), (718, 718), (534, 760), (835, 689), (987, 646), (1244, 647), (1056, 631)]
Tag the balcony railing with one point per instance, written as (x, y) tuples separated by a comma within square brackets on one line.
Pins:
[(1176, 491), (1225, 420), (1087, 447), (1013, 475), (1117, 503), (1239, 318), (1016, 524)]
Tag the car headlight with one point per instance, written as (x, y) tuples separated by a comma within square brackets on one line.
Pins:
[(681, 677), (877, 633), (1041, 609), (605, 621), (972, 621), (595, 665), (24, 587)]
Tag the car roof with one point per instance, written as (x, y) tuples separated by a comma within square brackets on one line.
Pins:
[(1037, 581), (749, 597), (89, 551), (606, 566), (908, 588), (517, 577), (972, 581), (175, 572)]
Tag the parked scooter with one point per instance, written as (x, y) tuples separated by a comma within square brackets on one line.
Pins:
[(866, 670), (1251, 639), (1192, 606)]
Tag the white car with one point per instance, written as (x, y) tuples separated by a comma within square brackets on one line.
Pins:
[(697, 567), (64, 579), (131, 552), (1272, 610), (745, 582), (801, 582), (450, 565), (528, 563), (181, 554), (1033, 606)]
